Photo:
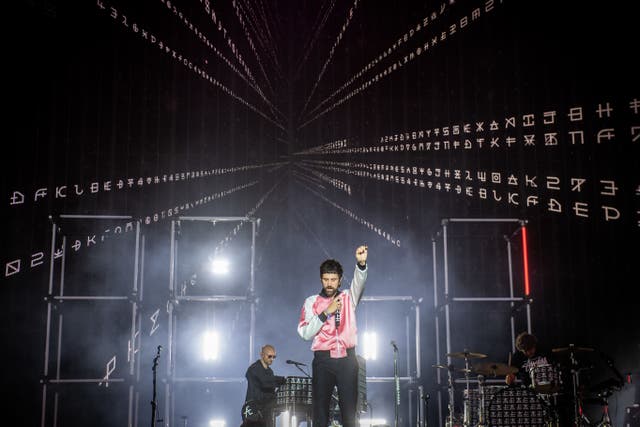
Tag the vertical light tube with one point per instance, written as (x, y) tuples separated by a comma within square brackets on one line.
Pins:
[(525, 260)]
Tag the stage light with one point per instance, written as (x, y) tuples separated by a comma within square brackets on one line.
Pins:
[(219, 266), (370, 345), (210, 345), (370, 422), (216, 423), (285, 419)]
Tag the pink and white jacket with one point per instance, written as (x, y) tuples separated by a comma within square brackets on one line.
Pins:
[(314, 325)]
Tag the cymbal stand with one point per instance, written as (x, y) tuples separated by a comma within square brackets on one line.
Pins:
[(605, 421), (578, 416), (552, 405), (467, 407), (481, 411), (450, 418)]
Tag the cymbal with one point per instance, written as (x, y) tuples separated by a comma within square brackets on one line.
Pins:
[(572, 348), (494, 369), (450, 367), (442, 366), (466, 355), (606, 386)]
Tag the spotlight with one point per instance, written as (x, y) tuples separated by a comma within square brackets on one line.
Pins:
[(216, 423), (210, 345), (285, 420), (370, 345), (219, 266), (370, 422)]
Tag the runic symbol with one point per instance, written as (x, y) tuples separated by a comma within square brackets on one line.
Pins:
[(111, 366), (154, 319)]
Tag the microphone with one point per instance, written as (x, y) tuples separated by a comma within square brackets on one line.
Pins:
[(337, 320), (395, 347), (293, 362)]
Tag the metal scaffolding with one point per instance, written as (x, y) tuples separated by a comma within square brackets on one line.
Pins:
[(60, 303), (412, 373), (175, 298), (131, 300), (444, 302)]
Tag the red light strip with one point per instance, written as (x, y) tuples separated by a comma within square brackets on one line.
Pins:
[(525, 256)]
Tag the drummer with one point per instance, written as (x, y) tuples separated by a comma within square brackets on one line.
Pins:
[(528, 356)]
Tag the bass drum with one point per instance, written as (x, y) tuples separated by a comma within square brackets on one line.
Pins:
[(472, 402), (518, 406)]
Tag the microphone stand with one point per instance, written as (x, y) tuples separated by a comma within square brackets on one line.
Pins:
[(397, 382), (303, 371), (425, 418), (154, 404)]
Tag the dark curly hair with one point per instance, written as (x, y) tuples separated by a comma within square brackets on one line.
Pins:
[(330, 266), (525, 341)]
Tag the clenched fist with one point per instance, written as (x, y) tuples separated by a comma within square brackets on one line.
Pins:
[(361, 255)]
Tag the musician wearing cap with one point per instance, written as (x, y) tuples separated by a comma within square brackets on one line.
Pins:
[(261, 390), (329, 320)]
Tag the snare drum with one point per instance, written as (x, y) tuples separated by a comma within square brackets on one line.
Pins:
[(518, 406), (545, 379), (296, 390)]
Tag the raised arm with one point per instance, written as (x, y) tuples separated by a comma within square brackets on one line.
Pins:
[(359, 275)]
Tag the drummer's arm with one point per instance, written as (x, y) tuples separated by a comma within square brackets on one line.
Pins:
[(515, 362)]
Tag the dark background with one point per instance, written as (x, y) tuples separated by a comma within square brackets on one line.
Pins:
[(94, 101)]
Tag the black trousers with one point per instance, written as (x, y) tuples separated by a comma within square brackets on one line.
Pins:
[(327, 373)]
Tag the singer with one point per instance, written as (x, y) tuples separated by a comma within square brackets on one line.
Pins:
[(329, 319)]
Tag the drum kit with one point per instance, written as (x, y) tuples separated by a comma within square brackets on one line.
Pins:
[(553, 398), (554, 395), (475, 400)]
